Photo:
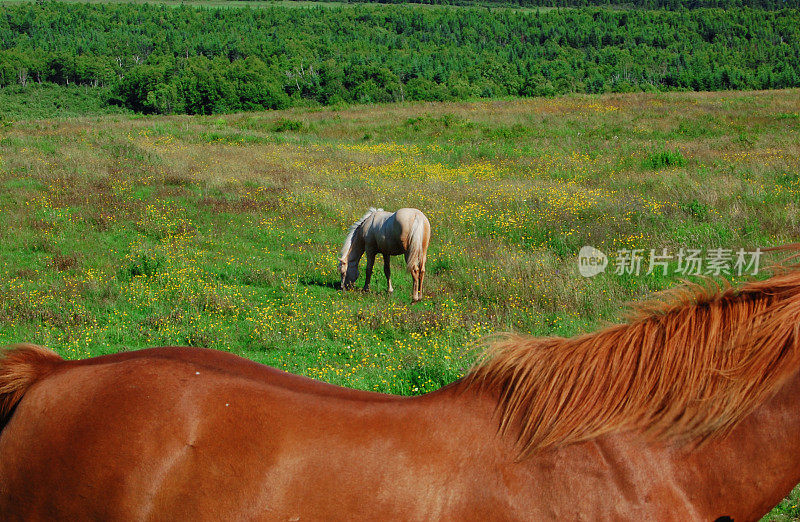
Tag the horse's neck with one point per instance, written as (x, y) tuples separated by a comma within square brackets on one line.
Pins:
[(739, 475), (353, 246), (356, 248), (752, 468)]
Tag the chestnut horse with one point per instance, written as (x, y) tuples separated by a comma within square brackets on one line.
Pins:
[(690, 411), (407, 232)]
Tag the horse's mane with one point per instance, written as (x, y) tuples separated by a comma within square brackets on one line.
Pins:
[(685, 367), (348, 240)]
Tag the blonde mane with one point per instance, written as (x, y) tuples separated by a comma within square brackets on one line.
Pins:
[(686, 367), (348, 240)]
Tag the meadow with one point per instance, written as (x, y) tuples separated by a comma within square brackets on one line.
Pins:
[(122, 232)]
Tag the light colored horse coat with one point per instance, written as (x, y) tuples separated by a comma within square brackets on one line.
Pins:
[(406, 232)]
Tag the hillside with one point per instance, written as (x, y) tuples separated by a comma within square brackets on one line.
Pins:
[(151, 58)]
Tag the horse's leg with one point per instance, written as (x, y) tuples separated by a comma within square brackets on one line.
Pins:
[(421, 276), (415, 285), (387, 270), (370, 262)]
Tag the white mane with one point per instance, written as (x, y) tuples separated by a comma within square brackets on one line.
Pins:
[(348, 240)]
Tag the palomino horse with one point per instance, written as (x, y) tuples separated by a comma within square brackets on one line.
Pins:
[(407, 232), (691, 411)]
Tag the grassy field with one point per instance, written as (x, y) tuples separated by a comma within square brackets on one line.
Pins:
[(124, 232)]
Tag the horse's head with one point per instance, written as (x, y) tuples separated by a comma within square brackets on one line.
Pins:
[(348, 271)]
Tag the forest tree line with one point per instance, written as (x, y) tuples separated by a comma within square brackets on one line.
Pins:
[(158, 59), (636, 4)]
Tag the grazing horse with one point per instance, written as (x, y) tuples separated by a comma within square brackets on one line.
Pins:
[(690, 411), (406, 232)]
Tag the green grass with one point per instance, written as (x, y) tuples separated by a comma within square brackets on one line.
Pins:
[(788, 510), (124, 232)]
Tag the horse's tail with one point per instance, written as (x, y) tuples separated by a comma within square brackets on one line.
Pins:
[(21, 366), (416, 242)]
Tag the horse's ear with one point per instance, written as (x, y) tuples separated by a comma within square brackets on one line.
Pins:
[(343, 259)]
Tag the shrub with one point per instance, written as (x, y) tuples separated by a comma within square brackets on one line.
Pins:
[(665, 158), (283, 125)]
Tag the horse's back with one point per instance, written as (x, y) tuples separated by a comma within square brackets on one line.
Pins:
[(196, 435), (389, 233), (127, 437), (382, 233)]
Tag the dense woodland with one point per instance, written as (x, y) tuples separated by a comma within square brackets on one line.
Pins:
[(159, 59), (637, 4)]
